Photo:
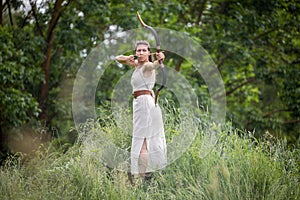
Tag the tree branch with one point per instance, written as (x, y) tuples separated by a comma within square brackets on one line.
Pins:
[(264, 34), (202, 8), (296, 121), (249, 80), (1, 12), (9, 13), (234, 82), (33, 9), (275, 111), (44, 89), (178, 65)]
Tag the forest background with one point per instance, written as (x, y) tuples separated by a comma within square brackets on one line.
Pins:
[(254, 43)]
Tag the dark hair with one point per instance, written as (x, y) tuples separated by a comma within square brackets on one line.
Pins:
[(143, 42)]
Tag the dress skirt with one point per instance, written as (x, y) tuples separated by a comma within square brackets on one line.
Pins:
[(148, 124)]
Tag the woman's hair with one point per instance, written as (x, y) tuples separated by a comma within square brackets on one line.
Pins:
[(143, 42)]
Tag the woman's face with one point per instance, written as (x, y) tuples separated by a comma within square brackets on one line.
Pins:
[(142, 52)]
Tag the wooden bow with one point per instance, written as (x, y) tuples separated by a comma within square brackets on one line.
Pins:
[(164, 77)]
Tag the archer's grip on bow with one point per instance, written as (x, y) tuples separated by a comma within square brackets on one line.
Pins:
[(157, 50)]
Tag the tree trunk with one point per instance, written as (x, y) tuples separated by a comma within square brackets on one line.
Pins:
[(1, 10), (9, 13), (44, 89)]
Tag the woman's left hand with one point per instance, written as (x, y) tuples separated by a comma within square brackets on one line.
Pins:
[(160, 56)]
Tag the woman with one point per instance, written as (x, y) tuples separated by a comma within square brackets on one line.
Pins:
[(148, 149)]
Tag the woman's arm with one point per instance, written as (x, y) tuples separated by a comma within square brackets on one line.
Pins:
[(153, 66), (159, 56), (156, 64), (126, 60)]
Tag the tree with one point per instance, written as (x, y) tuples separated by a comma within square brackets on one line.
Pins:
[(40, 51), (254, 44)]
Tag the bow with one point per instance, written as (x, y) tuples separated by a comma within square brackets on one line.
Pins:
[(157, 50)]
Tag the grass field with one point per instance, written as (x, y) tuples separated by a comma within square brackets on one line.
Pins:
[(238, 167)]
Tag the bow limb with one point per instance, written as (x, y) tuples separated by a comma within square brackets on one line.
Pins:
[(157, 50)]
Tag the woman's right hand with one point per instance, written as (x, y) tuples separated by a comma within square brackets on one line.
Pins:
[(127, 60), (131, 58)]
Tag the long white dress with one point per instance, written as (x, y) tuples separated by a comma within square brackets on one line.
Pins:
[(147, 124)]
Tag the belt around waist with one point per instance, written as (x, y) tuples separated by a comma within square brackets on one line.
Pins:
[(141, 92)]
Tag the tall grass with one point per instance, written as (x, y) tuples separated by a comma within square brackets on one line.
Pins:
[(239, 167)]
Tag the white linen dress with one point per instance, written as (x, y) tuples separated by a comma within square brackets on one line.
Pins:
[(147, 124)]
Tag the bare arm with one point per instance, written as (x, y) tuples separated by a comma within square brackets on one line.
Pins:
[(126, 60), (156, 64), (152, 66), (160, 56)]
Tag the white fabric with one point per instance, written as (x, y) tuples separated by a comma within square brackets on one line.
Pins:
[(139, 82), (147, 124)]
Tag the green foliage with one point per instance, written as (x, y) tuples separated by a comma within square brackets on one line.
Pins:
[(239, 167), (19, 77), (255, 45)]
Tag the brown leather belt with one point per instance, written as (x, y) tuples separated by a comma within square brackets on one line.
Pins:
[(141, 92)]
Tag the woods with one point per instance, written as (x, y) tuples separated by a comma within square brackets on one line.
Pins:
[(255, 46)]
